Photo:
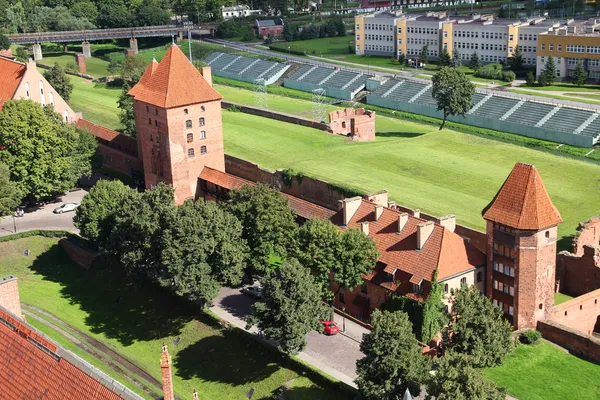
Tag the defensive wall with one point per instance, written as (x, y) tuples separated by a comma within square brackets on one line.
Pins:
[(584, 346), (358, 123), (279, 116), (80, 256)]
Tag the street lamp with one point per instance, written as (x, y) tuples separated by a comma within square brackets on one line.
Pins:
[(343, 319)]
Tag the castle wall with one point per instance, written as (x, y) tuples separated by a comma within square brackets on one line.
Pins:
[(359, 123), (585, 346), (580, 313)]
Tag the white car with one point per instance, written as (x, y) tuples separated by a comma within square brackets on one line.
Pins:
[(253, 291), (66, 208)]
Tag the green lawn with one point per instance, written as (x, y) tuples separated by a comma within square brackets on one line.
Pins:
[(566, 87), (561, 298), (97, 102), (219, 363), (573, 97), (545, 372), (95, 66)]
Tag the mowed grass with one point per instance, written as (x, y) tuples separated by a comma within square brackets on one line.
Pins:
[(219, 363), (545, 372), (97, 102), (561, 298), (95, 66)]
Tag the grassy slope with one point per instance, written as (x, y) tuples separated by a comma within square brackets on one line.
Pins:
[(220, 363), (98, 103), (95, 67), (544, 372)]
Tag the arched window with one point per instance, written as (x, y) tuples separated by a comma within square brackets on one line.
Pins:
[(66, 115), (463, 281), (446, 288), (43, 98), (27, 92), (185, 111), (188, 123), (202, 108), (149, 121), (203, 150), (190, 152), (51, 98), (190, 137), (202, 134), (202, 121)]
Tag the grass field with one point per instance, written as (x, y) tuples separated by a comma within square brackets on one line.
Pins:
[(95, 66), (219, 363), (97, 102), (561, 298), (545, 372), (572, 97)]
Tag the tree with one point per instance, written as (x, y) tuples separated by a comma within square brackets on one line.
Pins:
[(126, 114), (434, 311), (133, 67), (393, 361), (549, 72), (4, 42), (21, 54), (530, 79), (579, 75), (480, 329), (45, 155), (444, 60), (516, 61), (114, 65), (452, 92), (150, 13), (457, 379), (291, 306), (60, 81), (288, 31), (113, 14), (268, 224), (423, 54), (474, 64), (319, 244), (456, 61), (401, 59), (9, 195), (202, 250), (85, 9), (358, 256), (95, 216)]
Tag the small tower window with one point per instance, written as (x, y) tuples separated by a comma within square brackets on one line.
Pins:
[(203, 150), (479, 276), (547, 234), (190, 152), (190, 137), (156, 111), (202, 121), (185, 111), (188, 123), (147, 109), (151, 141), (149, 121), (541, 306), (202, 134), (202, 108), (155, 122)]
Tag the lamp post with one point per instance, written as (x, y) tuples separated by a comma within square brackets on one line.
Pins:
[(344, 319)]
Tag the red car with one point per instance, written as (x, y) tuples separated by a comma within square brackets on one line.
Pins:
[(330, 328)]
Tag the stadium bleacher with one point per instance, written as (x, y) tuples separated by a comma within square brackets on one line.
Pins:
[(495, 107), (567, 119), (592, 129), (530, 113), (337, 83), (247, 69)]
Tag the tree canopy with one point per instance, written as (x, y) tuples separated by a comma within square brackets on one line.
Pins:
[(516, 61), (393, 361), (423, 54), (444, 60), (453, 92), (474, 64), (549, 73), (4, 42), (45, 155), (9, 195), (60, 81), (579, 75), (358, 256), (434, 311), (291, 306), (456, 61), (480, 329), (126, 114)]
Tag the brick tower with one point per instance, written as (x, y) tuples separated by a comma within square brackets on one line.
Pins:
[(166, 374), (178, 123), (521, 233)]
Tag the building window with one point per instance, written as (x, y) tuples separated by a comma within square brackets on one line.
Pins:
[(547, 234), (202, 135), (511, 310), (149, 121), (480, 276), (188, 123), (463, 281), (51, 98), (190, 152), (504, 250), (357, 37), (202, 108), (203, 150), (201, 121), (550, 47), (416, 288), (147, 109), (156, 111), (543, 47), (342, 298), (185, 111), (155, 122), (446, 288), (190, 137), (27, 94), (363, 288)]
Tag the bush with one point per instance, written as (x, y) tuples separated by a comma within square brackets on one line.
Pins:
[(234, 108), (494, 71), (530, 336)]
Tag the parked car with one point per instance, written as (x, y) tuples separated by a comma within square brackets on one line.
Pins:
[(66, 208), (253, 291), (330, 328)]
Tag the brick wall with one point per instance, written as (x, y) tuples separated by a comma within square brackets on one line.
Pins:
[(80, 256), (279, 116), (359, 124), (9, 295), (119, 161), (580, 314), (588, 232), (578, 275), (585, 346)]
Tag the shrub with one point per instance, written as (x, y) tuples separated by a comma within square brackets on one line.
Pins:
[(494, 71), (234, 108), (530, 336), (530, 79)]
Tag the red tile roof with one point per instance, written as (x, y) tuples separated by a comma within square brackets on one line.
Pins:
[(173, 82), (444, 250), (97, 130), (523, 202), (30, 368), (301, 207), (11, 74)]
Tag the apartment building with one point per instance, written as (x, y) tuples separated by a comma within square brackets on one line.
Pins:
[(574, 42)]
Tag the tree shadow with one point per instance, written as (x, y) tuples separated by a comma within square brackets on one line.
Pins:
[(307, 393), (407, 135), (565, 243), (239, 305), (120, 309)]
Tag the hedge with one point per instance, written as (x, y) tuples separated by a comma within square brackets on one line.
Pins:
[(35, 232)]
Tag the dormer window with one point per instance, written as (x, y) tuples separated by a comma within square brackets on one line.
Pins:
[(416, 288)]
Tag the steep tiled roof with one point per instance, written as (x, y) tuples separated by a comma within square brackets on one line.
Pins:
[(301, 207), (31, 368), (523, 202), (11, 73), (173, 82), (97, 130), (444, 250)]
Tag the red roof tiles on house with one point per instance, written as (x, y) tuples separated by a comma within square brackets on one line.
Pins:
[(173, 82), (97, 130), (11, 74), (523, 202)]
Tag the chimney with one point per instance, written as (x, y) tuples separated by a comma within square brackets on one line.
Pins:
[(416, 213), (350, 206), (391, 204), (378, 211), (402, 220), (379, 197), (195, 394), (9, 295), (167, 375), (423, 232), (364, 228), (206, 74), (448, 222)]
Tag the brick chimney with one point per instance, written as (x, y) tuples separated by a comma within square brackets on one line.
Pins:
[(364, 228), (9, 295), (402, 220), (378, 211), (416, 213), (448, 222), (349, 207), (167, 375), (423, 232), (206, 74)]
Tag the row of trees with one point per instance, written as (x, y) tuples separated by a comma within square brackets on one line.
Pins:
[(333, 27), (478, 337)]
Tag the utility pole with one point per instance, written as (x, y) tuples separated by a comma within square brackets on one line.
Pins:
[(190, 43)]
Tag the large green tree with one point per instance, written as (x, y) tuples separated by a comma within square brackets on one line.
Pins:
[(85, 9), (113, 14), (474, 64), (358, 256), (393, 361), (45, 155), (290, 308), (457, 379), (60, 81), (453, 92), (126, 114), (456, 61), (479, 330), (516, 61), (133, 67), (423, 54), (444, 60), (202, 250), (434, 311), (9, 195), (268, 224), (549, 72), (4, 42), (579, 75), (150, 13)]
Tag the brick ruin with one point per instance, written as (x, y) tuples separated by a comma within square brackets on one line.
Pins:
[(358, 124)]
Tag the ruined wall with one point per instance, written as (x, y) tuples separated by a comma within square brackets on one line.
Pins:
[(359, 124), (588, 232), (279, 116), (580, 313), (585, 346), (80, 256)]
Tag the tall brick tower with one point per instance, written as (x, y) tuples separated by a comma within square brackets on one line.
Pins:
[(521, 233), (178, 123)]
